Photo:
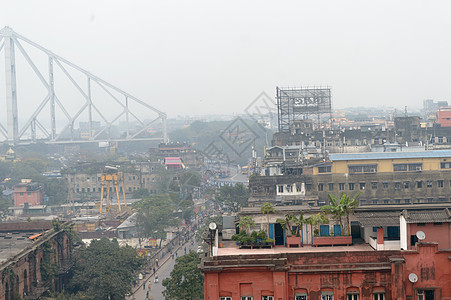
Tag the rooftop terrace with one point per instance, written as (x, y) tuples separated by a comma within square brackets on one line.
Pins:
[(230, 248)]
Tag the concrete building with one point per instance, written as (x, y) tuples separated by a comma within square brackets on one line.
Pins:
[(389, 178)]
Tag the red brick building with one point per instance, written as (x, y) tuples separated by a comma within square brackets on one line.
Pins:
[(28, 192), (352, 274)]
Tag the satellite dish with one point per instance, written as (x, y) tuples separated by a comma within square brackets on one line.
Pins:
[(421, 235), (413, 277), (212, 226)]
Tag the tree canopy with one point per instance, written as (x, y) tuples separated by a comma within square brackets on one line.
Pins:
[(340, 207), (233, 197), (104, 270), (154, 214), (186, 280)]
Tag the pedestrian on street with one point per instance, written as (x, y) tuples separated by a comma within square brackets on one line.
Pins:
[(172, 255), (154, 270), (185, 250), (176, 254), (156, 262), (144, 286)]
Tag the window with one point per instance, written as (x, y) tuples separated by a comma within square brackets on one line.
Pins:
[(445, 165), (397, 186), (327, 296), (362, 168), (300, 297), (21, 193), (362, 185), (386, 201), (289, 188), (225, 298), (440, 183), (385, 185), (421, 224), (341, 186), (331, 186), (352, 297), (420, 184), (379, 296), (374, 185), (246, 297), (430, 200), (406, 184), (351, 186), (320, 187), (308, 187), (325, 169), (407, 167), (407, 201), (280, 188), (267, 297), (397, 201), (375, 202), (429, 183)]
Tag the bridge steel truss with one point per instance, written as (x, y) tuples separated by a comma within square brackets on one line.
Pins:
[(13, 134)]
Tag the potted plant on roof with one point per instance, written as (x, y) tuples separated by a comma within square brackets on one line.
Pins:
[(338, 208), (292, 232), (245, 225), (266, 209)]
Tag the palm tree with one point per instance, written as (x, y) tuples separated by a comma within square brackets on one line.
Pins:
[(245, 223), (267, 208), (336, 209), (349, 204), (314, 220), (340, 207)]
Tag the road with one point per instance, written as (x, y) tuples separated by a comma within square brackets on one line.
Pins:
[(156, 289)]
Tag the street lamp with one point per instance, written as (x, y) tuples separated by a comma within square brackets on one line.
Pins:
[(212, 227)]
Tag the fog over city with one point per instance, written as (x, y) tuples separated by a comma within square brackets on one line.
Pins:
[(215, 57)]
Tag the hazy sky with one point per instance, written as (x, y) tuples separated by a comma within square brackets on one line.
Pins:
[(214, 57)]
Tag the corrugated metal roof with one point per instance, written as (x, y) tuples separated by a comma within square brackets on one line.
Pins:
[(427, 216), (378, 218), (390, 155)]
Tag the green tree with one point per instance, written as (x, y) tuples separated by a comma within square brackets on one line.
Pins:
[(266, 209), (335, 209), (186, 280), (349, 205), (340, 207), (155, 213), (315, 220), (246, 223), (233, 196), (292, 224), (105, 270)]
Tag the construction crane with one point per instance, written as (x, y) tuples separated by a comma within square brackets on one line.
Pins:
[(112, 176)]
